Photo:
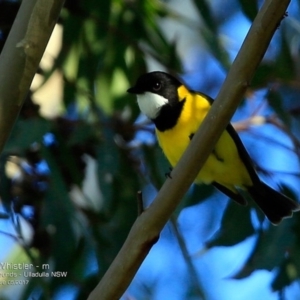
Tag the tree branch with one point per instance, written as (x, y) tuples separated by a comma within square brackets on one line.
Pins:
[(148, 225), (21, 56)]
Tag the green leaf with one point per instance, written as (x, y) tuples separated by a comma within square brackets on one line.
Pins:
[(236, 226), (26, 132), (122, 210), (104, 97), (82, 133), (108, 158), (58, 214), (210, 34), (101, 9), (206, 14), (157, 164), (216, 47)]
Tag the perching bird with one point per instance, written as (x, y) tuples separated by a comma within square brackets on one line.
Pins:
[(177, 112)]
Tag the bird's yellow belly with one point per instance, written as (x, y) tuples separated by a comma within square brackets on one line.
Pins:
[(226, 168)]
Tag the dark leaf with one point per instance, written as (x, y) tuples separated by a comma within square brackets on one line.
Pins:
[(276, 102), (58, 216), (157, 164), (26, 132), (284, 63), (121, 209), (198, 194), (285, 275), (108, 158), (236, 226), (206, 13), (270, 250), (263, 75), (216, 48), (82, 134), (4, 216), (5, 184), (293, 269), (210, 33), (249, 8)]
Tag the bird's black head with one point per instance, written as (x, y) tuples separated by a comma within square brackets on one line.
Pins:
[(157, 95), (159, 83)]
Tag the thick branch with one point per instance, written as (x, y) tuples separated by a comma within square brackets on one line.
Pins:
[(21, 56), (149, 224)]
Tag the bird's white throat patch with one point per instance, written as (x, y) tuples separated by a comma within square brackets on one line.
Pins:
[(150, 104)]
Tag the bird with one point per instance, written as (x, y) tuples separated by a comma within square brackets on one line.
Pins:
[(177, 112)]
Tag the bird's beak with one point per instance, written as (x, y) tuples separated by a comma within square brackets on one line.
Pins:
[(134, 90)]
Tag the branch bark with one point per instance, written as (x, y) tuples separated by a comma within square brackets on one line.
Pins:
[(148, 225), (21, 56)]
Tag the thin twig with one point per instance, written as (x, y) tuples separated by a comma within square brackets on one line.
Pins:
[(274, 121), (14, 237), (187, 258)]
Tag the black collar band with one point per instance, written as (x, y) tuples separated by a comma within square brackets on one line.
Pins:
[(168, 116)]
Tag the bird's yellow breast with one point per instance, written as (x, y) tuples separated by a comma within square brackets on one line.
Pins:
[(224, 165), (174, 141)]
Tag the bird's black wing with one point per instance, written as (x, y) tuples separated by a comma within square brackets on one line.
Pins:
[(245, 157), (236, 197)]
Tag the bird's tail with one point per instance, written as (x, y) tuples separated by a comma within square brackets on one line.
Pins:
[(275, 205)]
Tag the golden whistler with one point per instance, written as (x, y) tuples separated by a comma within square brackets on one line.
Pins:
[(177, 113)]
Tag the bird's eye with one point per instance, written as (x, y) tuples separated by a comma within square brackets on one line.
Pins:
[(157, 86)]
